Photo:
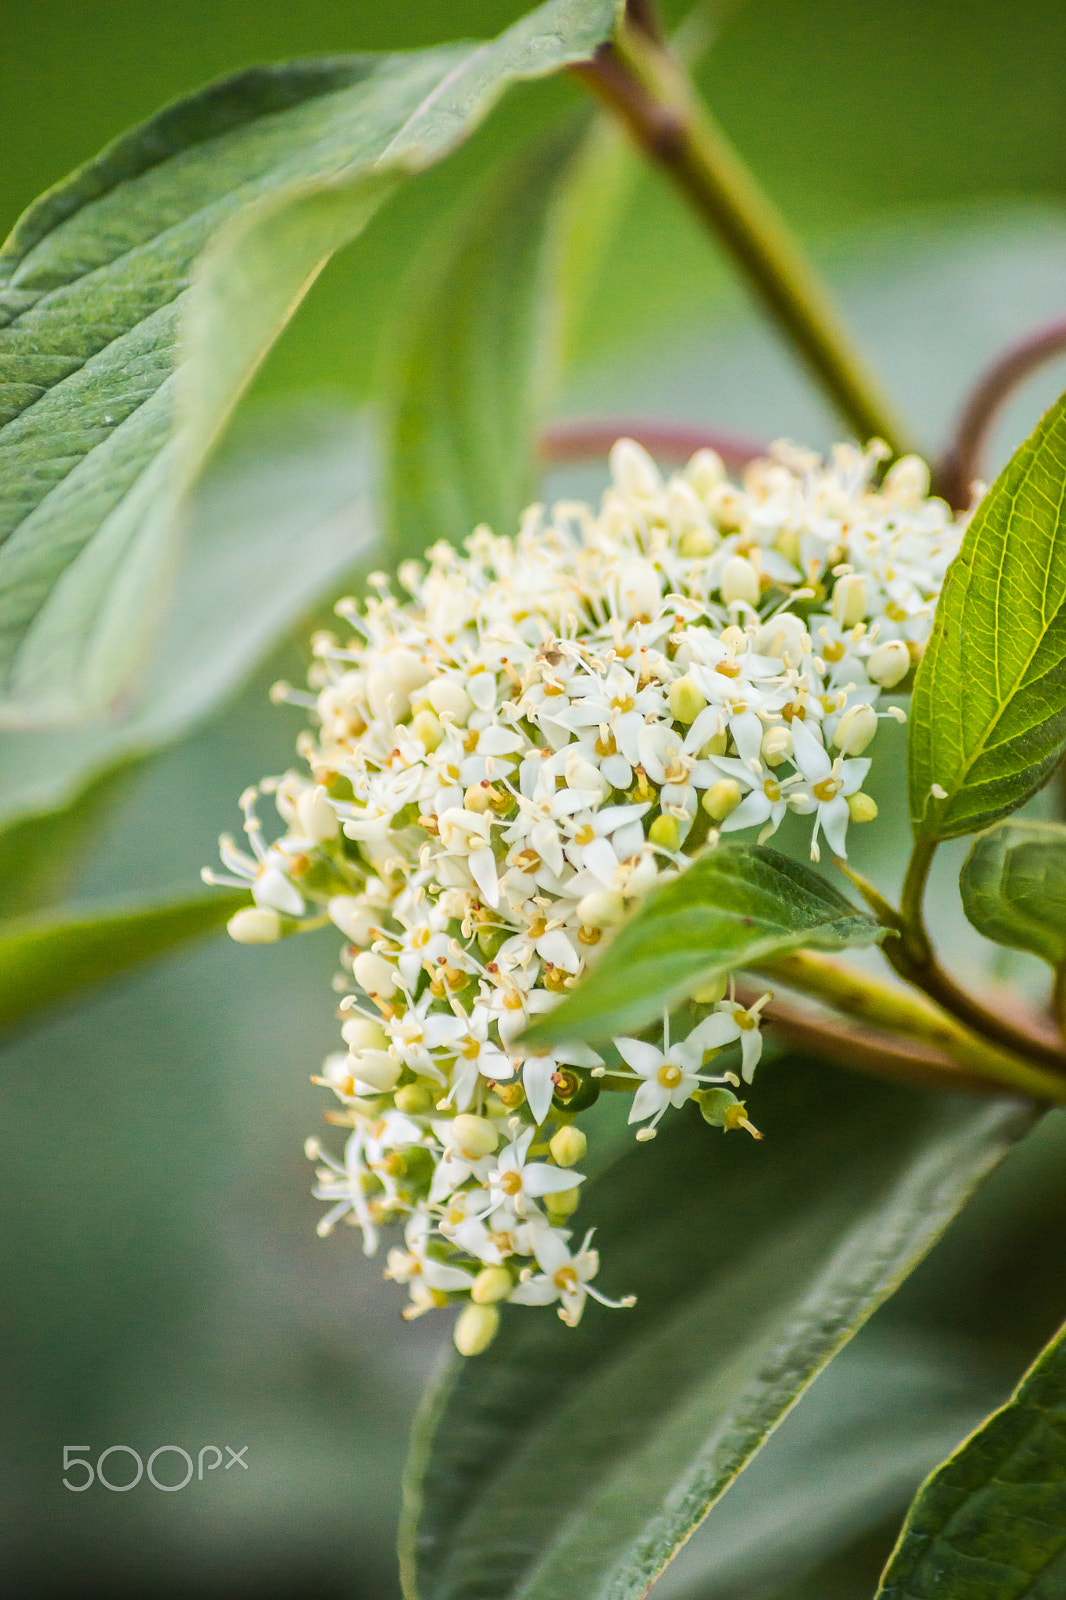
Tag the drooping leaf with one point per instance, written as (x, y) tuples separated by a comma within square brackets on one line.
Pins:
[(735, 906), (990, 1524), (988, 713), (99, 434), (1013, 887), (567, 1462), (478, 360), (46, 957)]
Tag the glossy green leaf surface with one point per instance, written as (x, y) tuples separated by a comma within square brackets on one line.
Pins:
[(475, 375), (567, 1462), (736, 905), (106, 289), (988, 712), (47, 957), (1013, 887), (990, 1524)]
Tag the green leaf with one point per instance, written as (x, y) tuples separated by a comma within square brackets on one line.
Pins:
[(479, 358), (282, 518), (990, 1524), (1013, 886), (568, 1462), (988, 712), (736, 906), (47, 957), (275, 168)]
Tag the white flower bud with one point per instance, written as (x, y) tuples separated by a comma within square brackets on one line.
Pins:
[(722, 799), (783, 634), (363, 1033), (602, 908), (490, 1285), (317, 818), (374, 974), (907, 481), (581, 774), (705, 471), (475, 1329), (568, 1146), (889, 663), (472, 1136), (849, 599), (375, 1069), (738, 582), (449, 699), (633, 469), (407, 670), (855, 730), (352, 916), (255, 925), (639, 590)]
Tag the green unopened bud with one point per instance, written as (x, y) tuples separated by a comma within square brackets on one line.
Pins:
[(722, 1109), (563, 1204), (776, 746), (889, 664), (686, 699), (695, 543), (568, 1146), (716, 745), (722, 799), (475, 1329), (473, 1136), (414, 1100), (602, 908), (861, 807), (709, 993), (666, 833), (427, 730), (255, 925), (855, 730), (491, 1284)]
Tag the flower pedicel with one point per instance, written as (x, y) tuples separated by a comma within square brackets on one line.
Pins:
[(505, 763)]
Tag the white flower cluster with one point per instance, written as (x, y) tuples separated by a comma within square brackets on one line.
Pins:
[(505, 763)]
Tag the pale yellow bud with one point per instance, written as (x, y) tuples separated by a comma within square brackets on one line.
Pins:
[(633, 469), (475, 1329), (710, 992), (666, 833), (782, 633), (317, 818), (563, 1204), (348, 913), (568, 1146), (907, 481), (414, 1100), (695, 543), (473, 1136), (861, 807), (427, 730), (855, 730), (722, 799), (849, 599), (374, 1068), (449, 699), (362, 1033), (254, 925), (374, 974), (716, 745), (686, 699), (705, 471), (776, 746), (491, 1284), (477, 799), (739, 581), (602, 908), (889, 663)]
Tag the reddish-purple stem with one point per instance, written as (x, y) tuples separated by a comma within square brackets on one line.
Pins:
[(961, 463), (563, 443)]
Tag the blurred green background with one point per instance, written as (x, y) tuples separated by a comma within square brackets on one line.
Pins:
[(162, 1279)]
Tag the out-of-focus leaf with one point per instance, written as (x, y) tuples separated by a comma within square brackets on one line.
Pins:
[(988, 712), (275, 168), (278, 522), (46, 957), (1013, 887), (737, 904), (479, 359), (990, 1524), (568, 1462), (39, 854)]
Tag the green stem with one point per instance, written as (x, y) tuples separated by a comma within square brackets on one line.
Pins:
[(1058, 998), (885, 1007), (913, 957), (644, 85)]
